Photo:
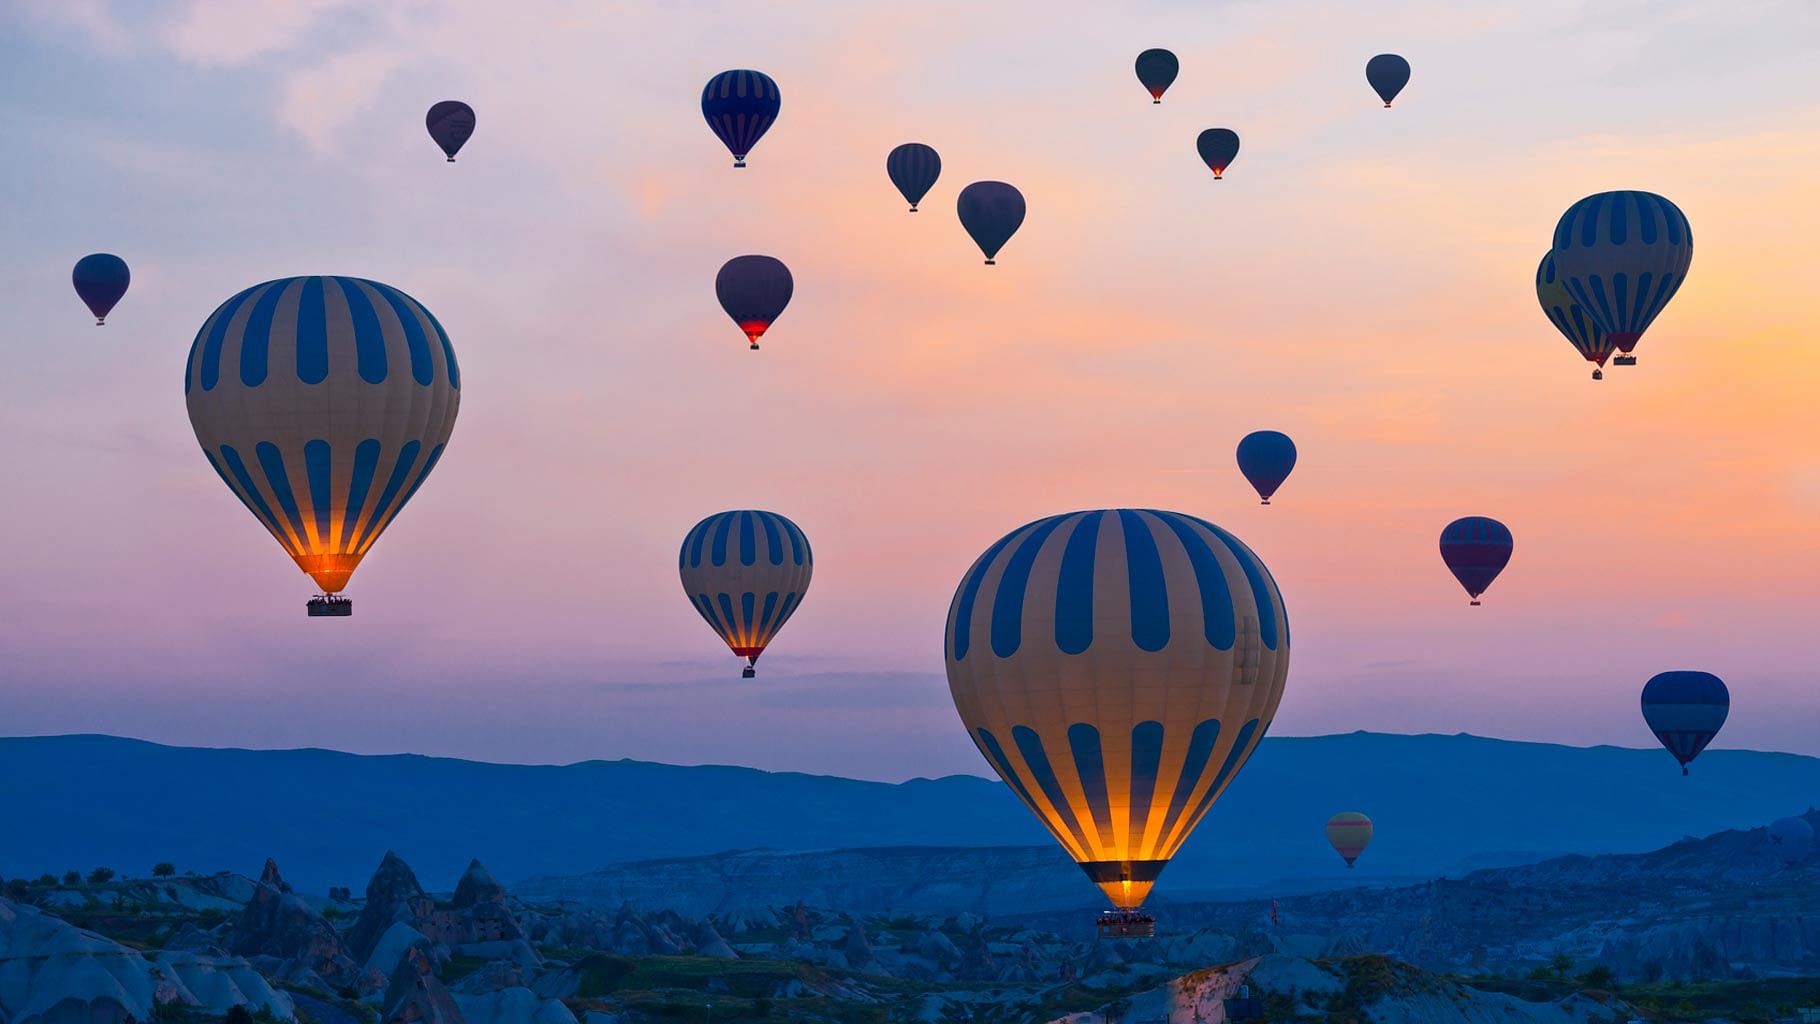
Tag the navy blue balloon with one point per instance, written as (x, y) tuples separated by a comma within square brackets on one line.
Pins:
[(1218, 147), (740, 106), (450, 122), (1266, 457), (913, 168), (1476, 549), (1388, 74), (991, 212), (1156, 70), (100, 279), (1685, 710), (754, 291)]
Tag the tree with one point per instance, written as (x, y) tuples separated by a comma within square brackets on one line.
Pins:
[(100, 876), (1596, 976), (72, 878), (15, 890), (1561, 963), (163, 869), (239, 1014), (47, 879)]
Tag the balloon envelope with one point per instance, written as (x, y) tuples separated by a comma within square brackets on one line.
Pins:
[(323, 403), (913, 168), (1218, 147), (100, 279), (740, 106), (1156, 70), (746, 572), (991, 211), (1623, 255), (1266, 457), (1116, 668), (1685, 711), (1349, 832), (1568, 317), (1388, 74), (754, 291), (450, 122), (1791, 839), (1476, 549)]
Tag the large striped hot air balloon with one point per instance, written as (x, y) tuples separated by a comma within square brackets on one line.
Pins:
[(1569, 318), (1476, 549), (1623, 255), (740, 106), (913, 168), (1685, 710), (1116, 668), (746, 572), (323, 403), (1349, 832)]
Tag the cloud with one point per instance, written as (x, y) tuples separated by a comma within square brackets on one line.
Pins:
[(228, 32), (319, 101)]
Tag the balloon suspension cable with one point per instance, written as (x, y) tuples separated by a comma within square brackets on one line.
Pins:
[(1386, 106)]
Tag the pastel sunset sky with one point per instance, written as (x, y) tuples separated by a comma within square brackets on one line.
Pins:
[(1362, 280)]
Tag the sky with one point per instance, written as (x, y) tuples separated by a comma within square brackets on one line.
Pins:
[(1362, 279)]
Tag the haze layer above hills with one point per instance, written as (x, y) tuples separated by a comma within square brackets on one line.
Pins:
[(1442, 804)]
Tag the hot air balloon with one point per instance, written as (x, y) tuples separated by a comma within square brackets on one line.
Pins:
[(1623, 255), (323, 403), (991, 212), (913, 168), (1388, 74), (740, 106), (1266, 457), (1156, 69), (450, 122), (746, 572), (1569, 318), (101, 279), (1791, 839), (1116, 668), (1476, 549), (1218, 147), (1349, 833), (1685, 711), (754, 291)]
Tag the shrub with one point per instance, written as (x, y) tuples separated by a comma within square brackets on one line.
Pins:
[(238, 1014), (1597, 976), (47, 879), (72, 878), (163, 869), (100, 876), (1561, 964)]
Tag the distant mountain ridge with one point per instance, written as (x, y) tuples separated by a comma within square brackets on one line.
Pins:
[(1438, 801)]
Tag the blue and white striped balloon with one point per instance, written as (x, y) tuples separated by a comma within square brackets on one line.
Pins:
[(746, 572), (323, 403), (1623, 255), (1117, 668)]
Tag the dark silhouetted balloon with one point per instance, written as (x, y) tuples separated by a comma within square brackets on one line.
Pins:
[(991, 212), (1388, 74), (754, 291), (1623, 255), (1156, 69), (1476, 549), (1569, 318), (913, 168), (746, 571), (1218, 147), (1791, 839), (450, 122), (1266, 457), (1685, 711), (100, 279), (740, 106)]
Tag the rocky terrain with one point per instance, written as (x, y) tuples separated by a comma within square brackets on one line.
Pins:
[(1549, 943)]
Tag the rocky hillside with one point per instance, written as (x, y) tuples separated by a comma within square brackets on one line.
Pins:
[(1723, 906)]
